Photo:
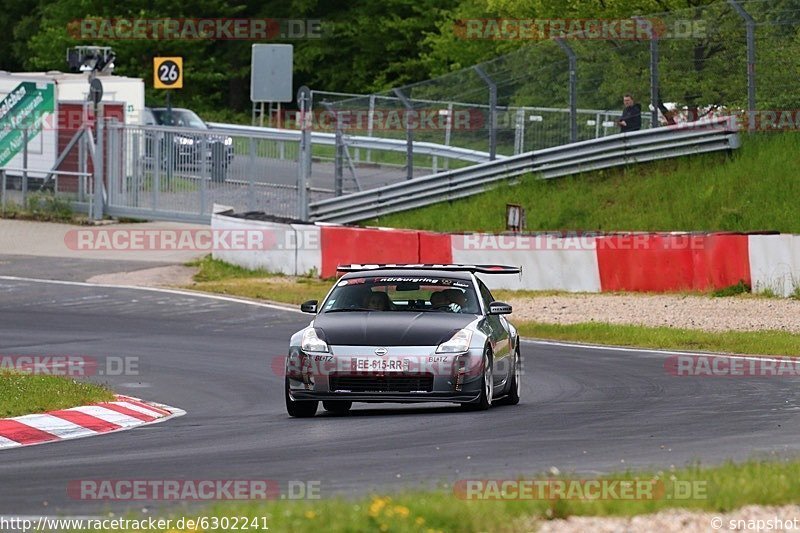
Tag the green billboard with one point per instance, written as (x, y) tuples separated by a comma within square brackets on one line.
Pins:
[(23, 108)]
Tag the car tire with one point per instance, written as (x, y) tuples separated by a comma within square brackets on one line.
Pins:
[(304, 409), (487, 386), (337, 407), (512, 398)]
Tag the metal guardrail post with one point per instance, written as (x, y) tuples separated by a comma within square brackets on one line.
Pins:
[(573, 89), (409, 134), (750, 26), (492, 111), (304, 152)]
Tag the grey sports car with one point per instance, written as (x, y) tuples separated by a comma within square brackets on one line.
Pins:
[(405, 333)]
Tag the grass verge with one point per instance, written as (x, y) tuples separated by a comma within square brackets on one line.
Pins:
[(753, 189), (23, 394), (223, 278), (719, 489), (768, 342)]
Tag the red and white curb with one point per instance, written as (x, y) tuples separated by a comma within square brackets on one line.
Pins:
[(86, 421)]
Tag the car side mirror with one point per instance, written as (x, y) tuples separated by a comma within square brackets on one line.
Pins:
[(309, 307), (499, 308)]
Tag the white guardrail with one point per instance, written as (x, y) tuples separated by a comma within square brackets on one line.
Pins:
[(611, 151), (358, 141)]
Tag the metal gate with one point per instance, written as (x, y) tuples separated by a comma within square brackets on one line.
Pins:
[(168, 173)]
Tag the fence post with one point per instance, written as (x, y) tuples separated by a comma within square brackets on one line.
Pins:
[(155, 181), (25, 166), (251, 171), (304, 153), (338, 160), (519, 131), (3, 189), (370, 123), (492, 111), (750, 26), (409, 134), (448, 131), (97, 208), (204, 169), (573, 89), (654, 80)]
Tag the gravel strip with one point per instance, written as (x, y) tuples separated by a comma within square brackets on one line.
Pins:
[(785, 518), (166, 276), (745, 313)]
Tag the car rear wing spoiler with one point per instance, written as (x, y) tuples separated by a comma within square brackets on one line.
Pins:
[(483, 269)]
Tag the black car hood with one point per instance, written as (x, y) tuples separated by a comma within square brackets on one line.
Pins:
[(389, 328)]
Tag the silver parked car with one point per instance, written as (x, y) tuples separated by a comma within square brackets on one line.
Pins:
[(405, 333)]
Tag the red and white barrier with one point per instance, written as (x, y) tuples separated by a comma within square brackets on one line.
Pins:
[(651, 262)]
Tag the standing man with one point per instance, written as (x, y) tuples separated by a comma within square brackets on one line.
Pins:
[(631, 119)]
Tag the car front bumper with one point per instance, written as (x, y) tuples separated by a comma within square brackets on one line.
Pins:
[(405, 374)]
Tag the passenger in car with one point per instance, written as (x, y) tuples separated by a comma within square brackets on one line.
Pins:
[(378, 301)]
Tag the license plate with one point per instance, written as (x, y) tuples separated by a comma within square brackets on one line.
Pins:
[(380, 365)]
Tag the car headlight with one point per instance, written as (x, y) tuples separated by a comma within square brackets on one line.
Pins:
[(228, 141), (458, 343), (185, 140), (312, 343)]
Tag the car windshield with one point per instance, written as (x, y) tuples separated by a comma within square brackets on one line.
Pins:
[(403, 293), (182, 118)]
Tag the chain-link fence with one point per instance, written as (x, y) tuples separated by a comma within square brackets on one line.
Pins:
[(567, 85)]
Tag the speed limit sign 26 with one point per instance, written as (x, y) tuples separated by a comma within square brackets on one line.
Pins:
[(168, 72)]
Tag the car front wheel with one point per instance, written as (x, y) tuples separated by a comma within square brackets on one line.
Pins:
[(512, 398), (299, 409), (487, 386)]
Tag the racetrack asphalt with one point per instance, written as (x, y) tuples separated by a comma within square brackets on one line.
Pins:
[(583, 410)]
